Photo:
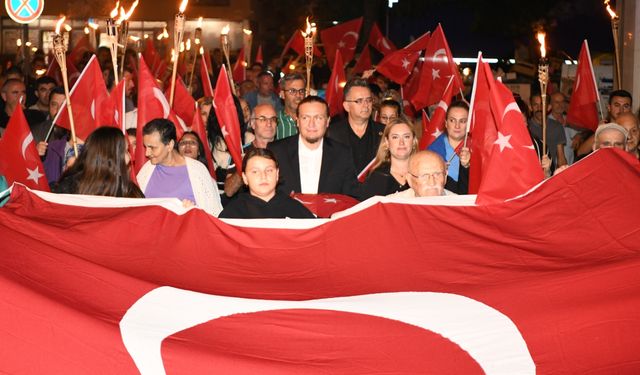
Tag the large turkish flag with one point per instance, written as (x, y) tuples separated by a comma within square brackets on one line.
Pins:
[(547, 283)]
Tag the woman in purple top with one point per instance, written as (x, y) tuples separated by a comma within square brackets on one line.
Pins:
[(167, 174)]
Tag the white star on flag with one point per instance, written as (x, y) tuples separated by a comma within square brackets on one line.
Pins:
[(503, 141), (224, 131), (330, 200), (341, 44), (436, 133), (405, 63), (435, 73), (34, 174)]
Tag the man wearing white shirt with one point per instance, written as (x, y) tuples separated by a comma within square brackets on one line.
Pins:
[(312, 163)]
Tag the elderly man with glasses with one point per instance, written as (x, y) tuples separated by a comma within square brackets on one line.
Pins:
[(263, 121), (292, 90), (358, 130), (427, 176)]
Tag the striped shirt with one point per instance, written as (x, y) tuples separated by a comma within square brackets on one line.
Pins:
[(286, 126)]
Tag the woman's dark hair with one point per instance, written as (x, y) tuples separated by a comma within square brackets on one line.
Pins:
[(164, 127), (214, 131), (101, 168), (458, 104), (262, 152), (202, 158), (393, 104)]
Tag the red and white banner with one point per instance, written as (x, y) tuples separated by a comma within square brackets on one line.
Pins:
[(537, 285)]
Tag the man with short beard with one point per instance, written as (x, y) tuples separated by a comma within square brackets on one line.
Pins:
[(311, 163)]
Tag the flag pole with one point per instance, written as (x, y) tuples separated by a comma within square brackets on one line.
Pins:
[(178, 30), (59, 51), (473, 98), (112, 34)]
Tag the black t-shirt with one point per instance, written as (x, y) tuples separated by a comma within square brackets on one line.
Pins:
[(281, 206)]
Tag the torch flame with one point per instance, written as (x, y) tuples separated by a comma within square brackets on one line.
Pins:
[(19, 42), (188, 44), (114, 12), (28, 44), (612, 13), (59, 24), (183, 6), (248, 32), (130, 12), (181, 47), (310, 30), (225, 30), (543, 50), (199, 25), (86, 30), (67, 27), (201, 50), (122, 16)]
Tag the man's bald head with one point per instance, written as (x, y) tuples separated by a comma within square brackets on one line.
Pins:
[(427, 174), (629, 121)]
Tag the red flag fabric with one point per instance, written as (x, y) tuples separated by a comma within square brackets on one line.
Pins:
[(433, 128), (239, 68), (398, 65), (259, 58), (206, 79), (364, 61), (379, 41), (584, 98), (508, 296), (82, 46), (482, 125), (152, 104), (438, 67), (409, 89), (54, 72), (296, 43), (19, 159), (198, 127), (513, 167), (335, 88), (324, 205), (342, 37), (89, 101), (117, 102), (228, 118), (183, 103), (419, 44)]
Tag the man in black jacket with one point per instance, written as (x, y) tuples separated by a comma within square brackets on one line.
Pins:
[(311, 163)]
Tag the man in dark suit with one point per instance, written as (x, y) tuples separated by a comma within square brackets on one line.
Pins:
[(310, 162), (358, 130)]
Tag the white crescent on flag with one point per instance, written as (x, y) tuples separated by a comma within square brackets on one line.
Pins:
[(163, 102), (485, 333), (343, 43), (93, 109), (439, 52), (25, 143), (510, 107), (384, 43)]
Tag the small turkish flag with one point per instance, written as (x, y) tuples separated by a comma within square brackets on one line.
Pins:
[(183, 103), (419, 44), (379, 41), (398, 65), (584, 100), (431, 129), (335, 88), (239, 69), (206, 79), (342, 37), (364, 61), (228, 117), (19, 159), (513, 166), (89, 101), (438, 67)]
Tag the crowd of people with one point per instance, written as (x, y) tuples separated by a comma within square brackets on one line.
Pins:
[(290, 144)]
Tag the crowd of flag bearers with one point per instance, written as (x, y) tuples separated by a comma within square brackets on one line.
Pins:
[(268, 141)]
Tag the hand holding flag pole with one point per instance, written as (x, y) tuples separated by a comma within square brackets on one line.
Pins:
[(59, 51), (178, 33), (543, 78)]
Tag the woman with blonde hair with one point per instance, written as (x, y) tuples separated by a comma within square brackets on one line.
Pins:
[(389, 172)]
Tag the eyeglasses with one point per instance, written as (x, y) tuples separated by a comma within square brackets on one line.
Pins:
[(263, 120), (294, 91), (425, 176), (316, 118), (188, 143), (360, 101)]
